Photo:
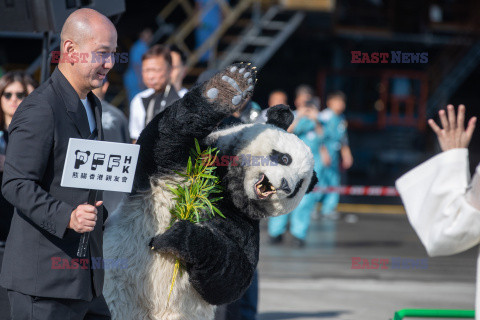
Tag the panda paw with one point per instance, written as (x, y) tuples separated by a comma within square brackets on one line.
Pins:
[(233, 86), (173, 241)]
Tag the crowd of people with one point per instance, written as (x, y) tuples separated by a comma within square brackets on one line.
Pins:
[(325, 133)]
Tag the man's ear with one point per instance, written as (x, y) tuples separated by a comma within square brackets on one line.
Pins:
[(280, 116), (67, 47), (313, 182)]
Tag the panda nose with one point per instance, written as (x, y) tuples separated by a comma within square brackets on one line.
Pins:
[(284, 186)]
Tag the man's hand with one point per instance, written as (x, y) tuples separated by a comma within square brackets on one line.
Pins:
[(312, 113), (84, 217), (453, 134)]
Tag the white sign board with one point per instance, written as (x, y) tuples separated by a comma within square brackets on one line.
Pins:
[(100, 165)]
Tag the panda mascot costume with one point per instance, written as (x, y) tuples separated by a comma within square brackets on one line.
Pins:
[(219, 255)]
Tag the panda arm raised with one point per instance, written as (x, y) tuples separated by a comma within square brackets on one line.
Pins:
[(167, 140), (206, 105), (218, 268), (203, 107)]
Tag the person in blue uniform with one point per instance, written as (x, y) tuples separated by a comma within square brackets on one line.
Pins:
[(211, 19), (334, 152), (309, 129), (132, 79)]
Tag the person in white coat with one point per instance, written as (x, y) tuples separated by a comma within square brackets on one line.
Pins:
[(442, 202)]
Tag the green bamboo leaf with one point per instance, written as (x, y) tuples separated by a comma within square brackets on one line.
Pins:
[(208, 204), (195, 212), (181, 174), (189, 166), (197, 146), (209, 176), (216, 199), (218, 212)]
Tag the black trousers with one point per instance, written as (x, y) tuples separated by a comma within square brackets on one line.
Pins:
[(25, 307)]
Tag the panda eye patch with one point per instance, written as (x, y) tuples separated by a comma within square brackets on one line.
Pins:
[(281, 158)]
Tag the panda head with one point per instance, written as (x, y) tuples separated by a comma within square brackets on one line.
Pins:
[(265, 170)]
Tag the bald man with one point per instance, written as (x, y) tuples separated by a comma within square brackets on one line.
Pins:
[(44, 277)]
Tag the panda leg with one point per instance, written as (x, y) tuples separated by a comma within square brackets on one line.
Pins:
[(217, 266)]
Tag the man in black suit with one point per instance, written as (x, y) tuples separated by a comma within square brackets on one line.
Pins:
[(44, 277)]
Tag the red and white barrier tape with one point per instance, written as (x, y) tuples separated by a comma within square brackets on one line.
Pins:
[(376, 191)]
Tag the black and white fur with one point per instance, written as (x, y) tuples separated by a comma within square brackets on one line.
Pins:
[(219, 255)]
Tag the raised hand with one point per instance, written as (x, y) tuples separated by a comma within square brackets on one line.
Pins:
[(453, 134)]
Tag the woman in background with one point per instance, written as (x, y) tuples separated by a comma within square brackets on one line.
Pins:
[(14, 87)]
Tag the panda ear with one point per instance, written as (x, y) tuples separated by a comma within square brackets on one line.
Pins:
[(313, 182), (280, 116)]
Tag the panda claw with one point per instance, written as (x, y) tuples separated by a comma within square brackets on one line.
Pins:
[(233, 85)]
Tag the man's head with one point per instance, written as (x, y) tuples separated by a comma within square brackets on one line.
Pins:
[(88, 40), (277, 97), (303, 94), (336, 101), (156, 67), (178, 67), (146, 35)]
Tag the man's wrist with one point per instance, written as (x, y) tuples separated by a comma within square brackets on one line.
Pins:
[(70, 224)]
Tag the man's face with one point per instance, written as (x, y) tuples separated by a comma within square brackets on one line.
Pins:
[(100, 59), (178, 69), (156, 73), (277, 98)]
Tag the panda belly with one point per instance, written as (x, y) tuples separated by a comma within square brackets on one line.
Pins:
[(140, 291)]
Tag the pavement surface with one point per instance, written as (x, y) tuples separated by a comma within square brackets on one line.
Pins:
[(318, 281)]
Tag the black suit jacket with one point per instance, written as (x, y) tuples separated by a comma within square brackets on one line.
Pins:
[(39, 240), (169, 100)]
